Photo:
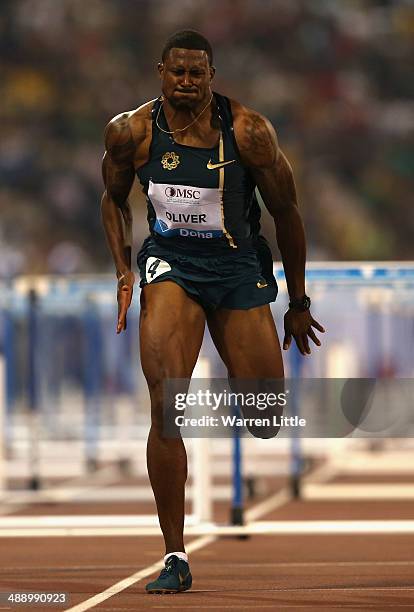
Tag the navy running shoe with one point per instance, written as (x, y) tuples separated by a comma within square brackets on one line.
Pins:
[(174, 578)]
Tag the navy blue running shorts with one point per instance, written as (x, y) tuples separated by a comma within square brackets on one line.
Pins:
[(237, 280)]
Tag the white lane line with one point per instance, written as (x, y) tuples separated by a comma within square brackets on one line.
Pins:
[(263, 508), (16, 501), (390, 462), (287, 564), (275, 501), (130, 580), (67, 568), (329, 527), (65, 492), (346, 589), (326, 471), (85, 521), (303, 590), (286, 528), (260, 606), (364, 491), (219, 607), (9, 509), (304, 564), (80, 495)]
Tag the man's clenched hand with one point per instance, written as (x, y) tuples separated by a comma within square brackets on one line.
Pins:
[(124, 297)]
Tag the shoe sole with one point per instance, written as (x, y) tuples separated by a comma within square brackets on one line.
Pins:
[(166, 591)]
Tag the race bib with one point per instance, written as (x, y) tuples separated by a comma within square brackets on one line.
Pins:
[(193, 212), (154, 267)]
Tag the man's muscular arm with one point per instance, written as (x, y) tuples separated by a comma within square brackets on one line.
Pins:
[(118, 175), (274, 178), (273, 174)]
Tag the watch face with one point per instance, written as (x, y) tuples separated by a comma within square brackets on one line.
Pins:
[(301, 303)]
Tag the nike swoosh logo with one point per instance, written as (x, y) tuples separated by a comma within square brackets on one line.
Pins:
[(211, 166), (261, 285), (183, 578)]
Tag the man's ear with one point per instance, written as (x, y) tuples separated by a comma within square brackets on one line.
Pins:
[(212, 72), (160, 68)]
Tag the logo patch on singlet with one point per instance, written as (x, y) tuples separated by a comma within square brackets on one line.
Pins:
[(170, 160), (186, 211), (154, 267)]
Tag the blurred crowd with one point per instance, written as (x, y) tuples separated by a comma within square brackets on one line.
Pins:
[(334, 77)]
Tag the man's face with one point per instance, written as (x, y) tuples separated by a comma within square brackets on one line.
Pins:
[(186, 76)]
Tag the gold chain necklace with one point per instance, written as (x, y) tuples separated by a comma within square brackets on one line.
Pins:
[(187, 126)]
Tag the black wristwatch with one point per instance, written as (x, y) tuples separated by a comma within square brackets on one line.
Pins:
[(302, 304)]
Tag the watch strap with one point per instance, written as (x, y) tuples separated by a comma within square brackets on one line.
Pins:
[(302, 304)]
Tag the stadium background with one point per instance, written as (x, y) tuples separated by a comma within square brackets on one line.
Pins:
[(334, 77)]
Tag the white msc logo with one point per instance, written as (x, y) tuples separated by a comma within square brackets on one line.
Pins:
[(184, 192)]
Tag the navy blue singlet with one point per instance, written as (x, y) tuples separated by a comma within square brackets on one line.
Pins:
[(199, 198)]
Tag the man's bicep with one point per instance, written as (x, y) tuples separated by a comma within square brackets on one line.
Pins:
[(118, 180), (118, 163), (276, 184)]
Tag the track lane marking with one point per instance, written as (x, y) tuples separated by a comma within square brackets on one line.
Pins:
[(283, 528), (287, 564), (130, 580), (274, 502)]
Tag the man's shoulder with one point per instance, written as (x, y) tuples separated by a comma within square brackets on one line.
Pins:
[(248, 118), (254, 133), (129, 125)]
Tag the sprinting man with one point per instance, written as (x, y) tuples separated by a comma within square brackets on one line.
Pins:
[(199, 157)]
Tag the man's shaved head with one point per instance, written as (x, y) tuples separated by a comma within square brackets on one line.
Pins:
[(188, 39)]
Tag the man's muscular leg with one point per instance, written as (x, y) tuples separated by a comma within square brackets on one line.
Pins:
[(247, 341), (249, 346), (171, 333)]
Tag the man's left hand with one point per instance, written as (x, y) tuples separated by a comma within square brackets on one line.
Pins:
[(299, 325)]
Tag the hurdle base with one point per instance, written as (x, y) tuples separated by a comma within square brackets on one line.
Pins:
[(34, 483), (295, 486), (237, 518)]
